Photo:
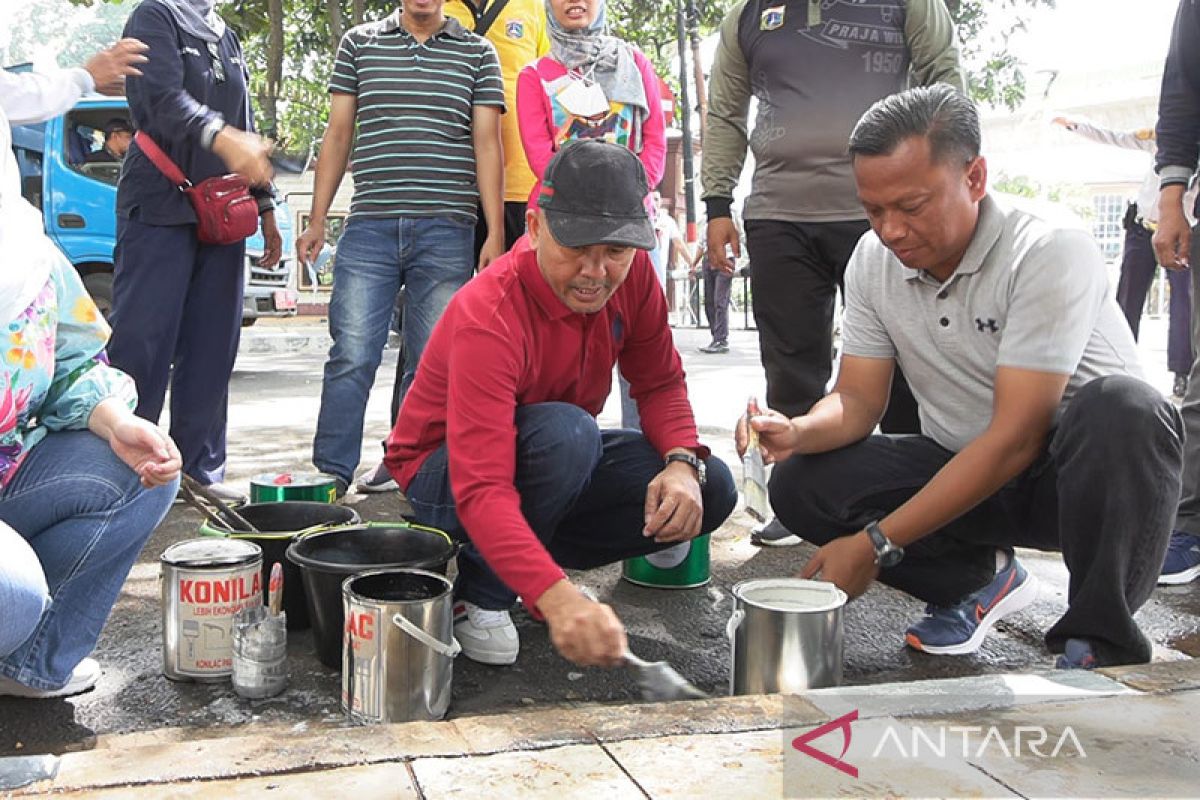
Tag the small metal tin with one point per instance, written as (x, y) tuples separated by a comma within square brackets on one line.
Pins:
[(275, 487), (204, 583), (671, 568)]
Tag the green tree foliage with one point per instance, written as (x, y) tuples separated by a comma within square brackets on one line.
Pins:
[(290, 45)]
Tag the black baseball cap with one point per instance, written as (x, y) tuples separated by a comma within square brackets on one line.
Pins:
[(594, 192), (117, 124)]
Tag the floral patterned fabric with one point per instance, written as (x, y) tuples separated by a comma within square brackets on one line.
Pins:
[(53, 370)]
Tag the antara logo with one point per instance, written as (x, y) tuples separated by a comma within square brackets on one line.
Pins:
[(913, 742)]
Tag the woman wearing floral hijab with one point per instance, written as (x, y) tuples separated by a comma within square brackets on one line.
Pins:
[(83, 482), (590, 86)]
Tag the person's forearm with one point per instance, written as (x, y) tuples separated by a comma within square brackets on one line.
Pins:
[(972, 476), (489, 174), (32, 97), (838, 419), (331, 167), (105, 417)]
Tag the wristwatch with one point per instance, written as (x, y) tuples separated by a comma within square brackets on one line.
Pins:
[(693, 462), (886, 553)]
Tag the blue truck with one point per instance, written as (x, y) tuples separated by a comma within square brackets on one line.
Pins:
[(78, 199)]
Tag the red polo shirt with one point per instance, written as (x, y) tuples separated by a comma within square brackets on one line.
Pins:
[(506, 340)]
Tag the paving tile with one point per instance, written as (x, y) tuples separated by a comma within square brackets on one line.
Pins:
[(952, 695), (764, 764), (1135, 746), (379, 780), (572, 771), (252, 755), (1172, 676), (521, 730), (719, 715)]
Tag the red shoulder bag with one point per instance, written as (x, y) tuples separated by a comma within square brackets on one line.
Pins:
[(225, 211)]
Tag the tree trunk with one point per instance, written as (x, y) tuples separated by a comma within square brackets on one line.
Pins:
[(270, 98), (359, 11), (336, 28)]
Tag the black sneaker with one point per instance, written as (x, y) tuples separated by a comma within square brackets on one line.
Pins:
[(377, 480), (773, 534), (714, 348)]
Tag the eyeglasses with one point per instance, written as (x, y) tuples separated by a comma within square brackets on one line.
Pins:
[(218, 65)]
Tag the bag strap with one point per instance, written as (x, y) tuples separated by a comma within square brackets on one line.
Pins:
[(484, 23), (161, 160)]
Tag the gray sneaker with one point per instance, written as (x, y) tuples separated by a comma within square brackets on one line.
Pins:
[(714, 348), (227, 494), (376, 481), (773, 534)]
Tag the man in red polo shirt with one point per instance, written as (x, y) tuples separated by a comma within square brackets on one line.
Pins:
[(497, 442)]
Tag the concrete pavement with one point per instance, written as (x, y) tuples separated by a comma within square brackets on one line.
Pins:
[(1119, 733)]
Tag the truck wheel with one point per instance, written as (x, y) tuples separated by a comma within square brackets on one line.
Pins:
[(100, 286)]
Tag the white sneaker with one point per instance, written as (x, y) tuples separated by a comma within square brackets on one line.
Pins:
[(83, 677), (488, 637), (377, 480)]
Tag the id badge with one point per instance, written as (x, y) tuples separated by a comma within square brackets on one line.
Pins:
[(583, 99)]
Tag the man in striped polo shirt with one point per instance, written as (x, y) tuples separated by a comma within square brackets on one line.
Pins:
[(426, 95)]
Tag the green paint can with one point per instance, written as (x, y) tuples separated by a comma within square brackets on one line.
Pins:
[(681, 567), (276, 487)]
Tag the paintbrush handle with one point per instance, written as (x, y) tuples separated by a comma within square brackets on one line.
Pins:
[(194, 501), (222, 506), (275, 589)]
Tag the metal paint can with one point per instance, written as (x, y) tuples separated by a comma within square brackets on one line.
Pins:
[(204, 583), (399, 647), (684, 566), (785, 635), (275, 487)]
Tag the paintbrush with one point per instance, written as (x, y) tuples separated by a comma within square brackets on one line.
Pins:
[(275, 589), (754, 471), (231, 517)]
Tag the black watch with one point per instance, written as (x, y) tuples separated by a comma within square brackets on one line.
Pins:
[(886, 553), (693, 462)]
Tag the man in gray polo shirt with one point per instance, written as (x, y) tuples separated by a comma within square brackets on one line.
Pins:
[(1035, 429), (425, 96)]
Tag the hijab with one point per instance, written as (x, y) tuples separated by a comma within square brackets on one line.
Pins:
[(26, 255), (605, 59), (197, 17)]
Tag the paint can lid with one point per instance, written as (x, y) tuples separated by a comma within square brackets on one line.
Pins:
[(211, 552)]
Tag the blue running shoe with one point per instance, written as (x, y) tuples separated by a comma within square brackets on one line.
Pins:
[(1077, 654), (1182, 564), (960, 629)]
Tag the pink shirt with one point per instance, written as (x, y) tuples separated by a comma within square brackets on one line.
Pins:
[(545, 125)]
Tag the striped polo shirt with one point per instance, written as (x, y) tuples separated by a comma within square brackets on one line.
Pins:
[(413, 155)]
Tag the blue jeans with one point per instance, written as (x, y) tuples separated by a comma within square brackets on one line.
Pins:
[(86, 517), (431, 257), (583, 491)]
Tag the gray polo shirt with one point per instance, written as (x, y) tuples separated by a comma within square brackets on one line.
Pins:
[(1027, 294)]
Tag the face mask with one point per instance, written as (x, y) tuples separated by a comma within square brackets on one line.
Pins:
[(583, 98)]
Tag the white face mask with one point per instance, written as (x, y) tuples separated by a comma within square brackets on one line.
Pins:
[(583, 98)]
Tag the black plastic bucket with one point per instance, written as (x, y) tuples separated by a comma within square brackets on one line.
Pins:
[(327, 559), (281, 524)]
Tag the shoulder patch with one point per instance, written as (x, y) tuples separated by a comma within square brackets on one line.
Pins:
[(772, 18), (515, 29)]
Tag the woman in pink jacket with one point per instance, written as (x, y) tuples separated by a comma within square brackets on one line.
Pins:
[(590, 86)]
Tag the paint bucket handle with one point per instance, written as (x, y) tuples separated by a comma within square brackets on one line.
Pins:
[(735, 621), (449, 650)]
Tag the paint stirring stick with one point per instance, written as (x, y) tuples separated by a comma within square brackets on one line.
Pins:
[(275, 589)]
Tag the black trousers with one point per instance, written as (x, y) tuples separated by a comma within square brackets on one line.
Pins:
[(1103, 493), (796, 269)]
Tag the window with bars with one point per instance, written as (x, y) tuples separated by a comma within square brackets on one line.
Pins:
[(1106, 223)]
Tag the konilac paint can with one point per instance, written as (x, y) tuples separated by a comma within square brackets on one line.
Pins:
[(684, 566), (204, 583)]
